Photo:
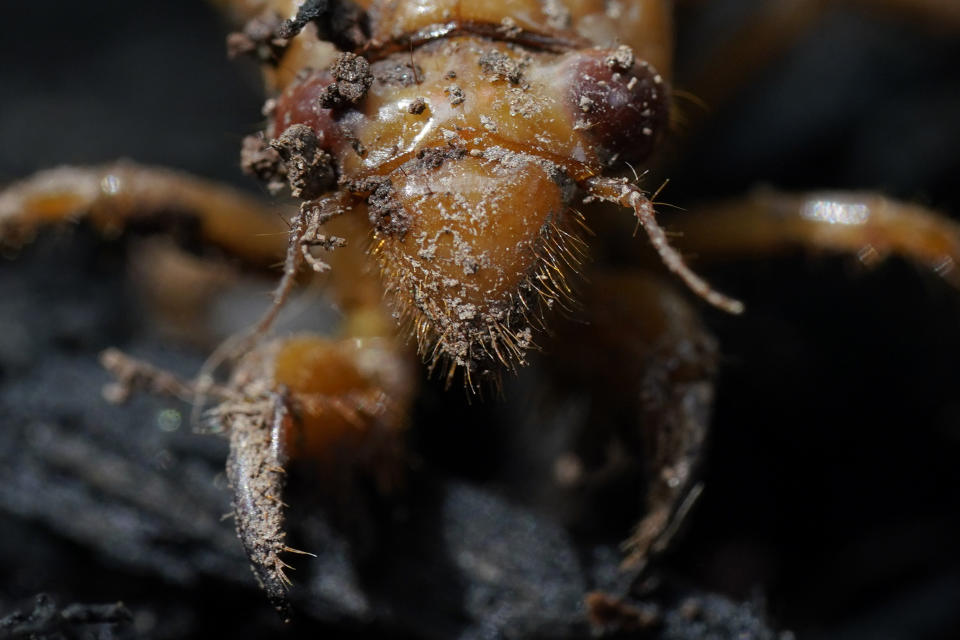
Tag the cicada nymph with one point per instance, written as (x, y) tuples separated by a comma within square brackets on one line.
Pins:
[(439, 151), (466, 134)]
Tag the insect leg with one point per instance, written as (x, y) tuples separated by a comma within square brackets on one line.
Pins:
[(643, 356), (256, 471), (865, 224), (114, 196), (342, 404), (255, 467)]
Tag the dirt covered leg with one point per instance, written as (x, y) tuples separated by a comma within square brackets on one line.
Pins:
[(647, 363), (115, 196), (256, 427), (256, 469), (642, 363), (341, 404), (867, 225)]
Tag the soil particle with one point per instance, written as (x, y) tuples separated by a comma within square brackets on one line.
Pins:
[(621, 59), (346, 130), (417, 106), (258, 38), (269, 108), (352, 80), (259, 159), (508, 28), (501, 66), (488, 124), (431, 158), (457, 96), (469, 263), (522, 103), (309, 168), (393, 74), (387, 214)]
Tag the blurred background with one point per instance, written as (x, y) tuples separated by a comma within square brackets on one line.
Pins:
[(831, 501)]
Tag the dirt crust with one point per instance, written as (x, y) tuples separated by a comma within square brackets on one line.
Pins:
[(352, 80), (309, 169), (387, 214)]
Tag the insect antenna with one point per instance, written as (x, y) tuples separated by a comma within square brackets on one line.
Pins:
[(625, 194)]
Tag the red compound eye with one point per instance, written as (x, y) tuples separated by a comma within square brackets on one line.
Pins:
[(300, 104), (622, 105)]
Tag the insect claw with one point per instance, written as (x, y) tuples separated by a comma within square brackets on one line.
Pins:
[(252, 469)]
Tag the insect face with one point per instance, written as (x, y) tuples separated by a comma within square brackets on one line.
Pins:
[(467, 154)]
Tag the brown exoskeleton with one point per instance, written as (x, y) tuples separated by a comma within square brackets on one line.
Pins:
[(461, 147)]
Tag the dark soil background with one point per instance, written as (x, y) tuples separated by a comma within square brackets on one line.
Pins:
[(831, 505)]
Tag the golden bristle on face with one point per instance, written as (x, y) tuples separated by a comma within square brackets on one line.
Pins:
[(486, 245)]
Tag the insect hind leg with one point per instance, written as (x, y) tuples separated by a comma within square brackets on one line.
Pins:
[(867, 225)]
